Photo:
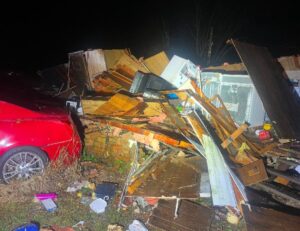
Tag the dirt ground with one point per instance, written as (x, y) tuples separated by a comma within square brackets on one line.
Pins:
[(17, 206)]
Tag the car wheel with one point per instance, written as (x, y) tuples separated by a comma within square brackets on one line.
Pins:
[(22, 163)]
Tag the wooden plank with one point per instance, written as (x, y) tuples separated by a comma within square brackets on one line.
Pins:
[(175, 117), (78, 72), (105, 85), (234, 135), (112, 57), (89, 106), (285, 175), (129, 65), (153, 109), (157, 63), (225, 122), (284, 194), (95, 63), (264, 219), (121, 79), (161, 137), (191, 216), (198, 129)]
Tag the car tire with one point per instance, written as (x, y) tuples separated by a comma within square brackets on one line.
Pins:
[(21, 163)]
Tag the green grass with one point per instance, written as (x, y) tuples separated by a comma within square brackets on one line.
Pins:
[(85, 156), (122, 166), (70, 211)]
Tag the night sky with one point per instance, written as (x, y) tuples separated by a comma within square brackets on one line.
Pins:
[(41, 35)]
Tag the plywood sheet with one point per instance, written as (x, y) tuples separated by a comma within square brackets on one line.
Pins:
[(105, 85), (124, 78), (112, 57), (157, 63), (78, 72), (128, 66), (90, 106), (119, 104), (153, 109), (175, 176), (95, 63)]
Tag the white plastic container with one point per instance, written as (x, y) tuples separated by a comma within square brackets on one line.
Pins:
[(98, 205)]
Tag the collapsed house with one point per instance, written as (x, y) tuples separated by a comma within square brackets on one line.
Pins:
[(228, 132)]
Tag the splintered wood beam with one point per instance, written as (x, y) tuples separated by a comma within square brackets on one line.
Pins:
[(285, 175), (234, 135), (198, 129), (160, 137), (224, 122)]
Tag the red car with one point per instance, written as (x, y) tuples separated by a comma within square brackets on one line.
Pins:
[(33, 130)]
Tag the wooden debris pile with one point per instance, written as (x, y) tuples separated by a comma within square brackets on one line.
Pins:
[(171, 138)]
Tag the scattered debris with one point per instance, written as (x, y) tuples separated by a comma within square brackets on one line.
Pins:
[(79, 185), (79, 225), (26, 227), (49, 205), (98, 205), (106, 191), (232, 218), (176, 133), (44, 196), (137, 225), (115, 227), (57, 228)]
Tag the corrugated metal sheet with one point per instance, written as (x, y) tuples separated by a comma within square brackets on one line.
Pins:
[(221, 187)]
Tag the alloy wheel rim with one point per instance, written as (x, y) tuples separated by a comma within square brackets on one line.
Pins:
[(22, 166)]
